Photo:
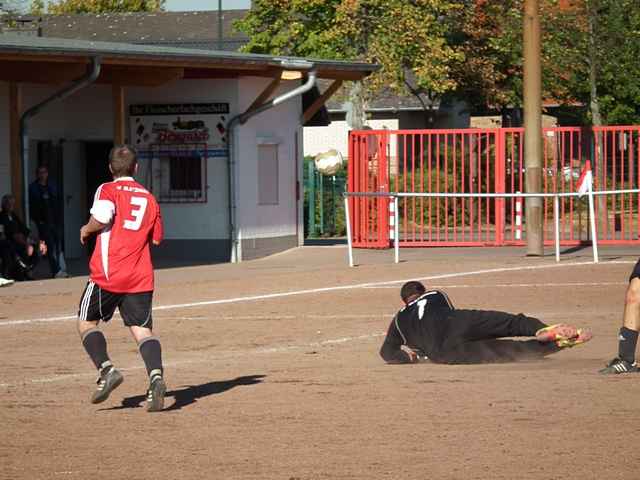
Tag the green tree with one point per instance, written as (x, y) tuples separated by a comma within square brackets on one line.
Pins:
[(602, 47), (99, 6), (490, 36), (407, 38), (589, 55), (470, 48), (38, 7), (616, 49)]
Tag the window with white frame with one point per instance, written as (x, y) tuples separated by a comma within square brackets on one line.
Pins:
[(179, 173), (268, 174)]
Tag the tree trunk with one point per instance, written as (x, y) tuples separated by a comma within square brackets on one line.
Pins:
[(356, 115)]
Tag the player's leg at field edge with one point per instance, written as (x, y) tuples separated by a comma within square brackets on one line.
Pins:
[(628, 337)]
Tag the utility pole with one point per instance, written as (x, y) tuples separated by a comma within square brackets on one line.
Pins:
[(533, 127), (220, 35)]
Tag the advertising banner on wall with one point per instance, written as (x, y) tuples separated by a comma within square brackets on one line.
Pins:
[(159, 126)]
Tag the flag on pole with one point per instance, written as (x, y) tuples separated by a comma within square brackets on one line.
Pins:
[(585, 182)]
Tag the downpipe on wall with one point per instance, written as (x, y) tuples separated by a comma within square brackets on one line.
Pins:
[(240, 119)]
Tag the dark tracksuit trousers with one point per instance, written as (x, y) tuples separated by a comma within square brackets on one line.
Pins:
[(473, 336)]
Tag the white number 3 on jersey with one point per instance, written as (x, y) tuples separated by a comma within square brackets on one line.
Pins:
[(136, 213)]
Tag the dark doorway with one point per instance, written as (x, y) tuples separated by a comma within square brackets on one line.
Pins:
[(97, 161), (97, 158)]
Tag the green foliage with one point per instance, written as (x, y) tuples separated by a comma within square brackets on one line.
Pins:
[(619, 72), (604, 34), (490, 36), (408, 39), (471, 49), (99, 6), (289, 27), (328, 214), (38, 7)]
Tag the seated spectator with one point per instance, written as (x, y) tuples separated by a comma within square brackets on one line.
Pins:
[(6, 260), (21, 245)]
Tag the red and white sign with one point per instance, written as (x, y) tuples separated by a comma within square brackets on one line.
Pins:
[(179, 124)]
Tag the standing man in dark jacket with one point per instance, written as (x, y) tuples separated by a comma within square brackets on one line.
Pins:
[(43, 202), (430, 328)]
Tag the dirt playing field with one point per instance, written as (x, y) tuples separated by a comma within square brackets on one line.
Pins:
[(273, 373)]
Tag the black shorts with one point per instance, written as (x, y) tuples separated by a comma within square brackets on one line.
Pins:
[(636, 271), (98, 304)]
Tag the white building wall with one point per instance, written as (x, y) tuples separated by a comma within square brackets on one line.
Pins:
[(191, 221), (336, 136), (88, 115), (275, 125)]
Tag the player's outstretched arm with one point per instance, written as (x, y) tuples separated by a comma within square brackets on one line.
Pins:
[(91, 227), (393, 350)]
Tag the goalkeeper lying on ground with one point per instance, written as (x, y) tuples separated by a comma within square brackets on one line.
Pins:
[(429, 327)]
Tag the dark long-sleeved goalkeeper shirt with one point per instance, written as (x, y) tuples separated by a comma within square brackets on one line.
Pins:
[(418, 325)]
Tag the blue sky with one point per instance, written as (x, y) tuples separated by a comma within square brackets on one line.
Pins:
[(188, 5)]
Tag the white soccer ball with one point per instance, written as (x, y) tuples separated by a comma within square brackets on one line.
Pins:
[(329, 163)]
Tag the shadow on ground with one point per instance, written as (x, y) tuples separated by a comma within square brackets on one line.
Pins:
[(324, 242), (80, 267), (502, 351), (192, 393)]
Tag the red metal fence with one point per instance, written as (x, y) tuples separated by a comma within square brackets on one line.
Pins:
[(489, 161)]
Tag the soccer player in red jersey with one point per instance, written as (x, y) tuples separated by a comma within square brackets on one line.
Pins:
[(127, 219)]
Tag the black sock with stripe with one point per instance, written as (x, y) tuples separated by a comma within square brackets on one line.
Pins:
[(96, 346), (151, 352), (627, 341)]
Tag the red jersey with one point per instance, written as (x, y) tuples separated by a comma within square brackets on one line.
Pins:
[(121, 261)]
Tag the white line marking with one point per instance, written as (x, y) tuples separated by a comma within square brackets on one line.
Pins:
[(203, 317), (208, 358), (501, 285), (274, 316), (230, 317), (38, 320), (336, 288)]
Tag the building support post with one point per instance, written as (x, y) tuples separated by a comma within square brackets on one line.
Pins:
[(15, 110), (119, 117)]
